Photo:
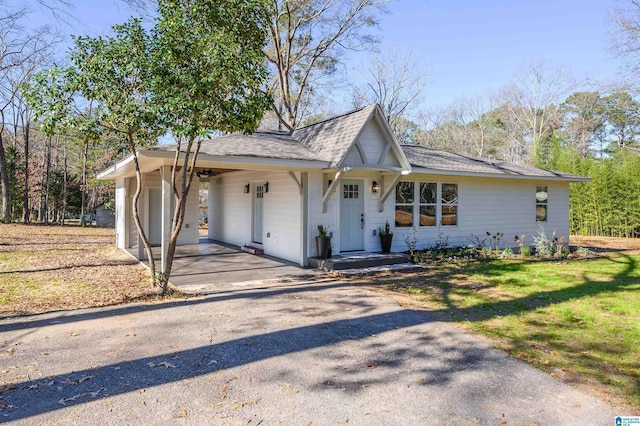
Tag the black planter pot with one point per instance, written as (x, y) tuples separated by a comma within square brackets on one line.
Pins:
[(385, 242), (323, 247)]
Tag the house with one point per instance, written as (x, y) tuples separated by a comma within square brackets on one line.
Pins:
[(272, 189)]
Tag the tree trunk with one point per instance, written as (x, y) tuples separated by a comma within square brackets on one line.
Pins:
[(47, 179), (4, 177), (142, 237), (64, 181), (188, 172), (25, 192), (85, 153)]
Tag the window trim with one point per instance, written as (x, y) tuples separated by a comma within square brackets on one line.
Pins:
[(417, 204), (443, 204), (544, 203), (421, 204), (412, 204)]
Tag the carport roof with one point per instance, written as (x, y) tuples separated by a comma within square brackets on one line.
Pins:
[(261, 144)]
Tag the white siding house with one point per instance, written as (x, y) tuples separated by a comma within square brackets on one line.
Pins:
[(271, 190)]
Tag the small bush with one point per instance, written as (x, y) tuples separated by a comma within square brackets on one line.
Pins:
[(584, 250), (525, 251), (442, 242), (411, 240), (544, 246)]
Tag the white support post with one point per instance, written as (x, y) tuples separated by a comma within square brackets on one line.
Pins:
[(304, 218), (167, 193)]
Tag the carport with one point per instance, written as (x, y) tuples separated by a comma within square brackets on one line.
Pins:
[(214, 265)]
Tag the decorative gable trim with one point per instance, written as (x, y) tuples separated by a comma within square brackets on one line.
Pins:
[(392, 147)]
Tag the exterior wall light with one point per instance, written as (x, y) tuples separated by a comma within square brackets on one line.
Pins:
[(375, 187), (205, 173), (247, 187), (266, 187)]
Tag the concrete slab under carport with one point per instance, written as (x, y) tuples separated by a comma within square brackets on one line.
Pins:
[(213, 265)]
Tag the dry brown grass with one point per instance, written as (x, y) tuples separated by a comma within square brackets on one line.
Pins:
[(47, 268), (607, 243)]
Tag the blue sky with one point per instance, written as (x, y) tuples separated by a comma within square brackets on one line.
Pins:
[(469, 47), (475, 47)]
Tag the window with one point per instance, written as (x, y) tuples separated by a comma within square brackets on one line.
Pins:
[(428, 203), (449, 204), (259, 191), (541, 203), (404, 204), (437, 204), (350, 191)]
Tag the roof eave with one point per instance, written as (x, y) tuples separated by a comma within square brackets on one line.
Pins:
[(423, 170), (123, 168)]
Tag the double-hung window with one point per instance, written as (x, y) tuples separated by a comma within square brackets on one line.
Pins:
[(541, 203), (433, 204), (449, 204), (428, 203), (404, 204)]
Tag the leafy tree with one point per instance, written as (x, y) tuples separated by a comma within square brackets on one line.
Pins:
[(198, 70), (622, 116), (208, 72), (583, 122)]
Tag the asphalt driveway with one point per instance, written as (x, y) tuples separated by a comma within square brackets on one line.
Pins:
[(314, 353)]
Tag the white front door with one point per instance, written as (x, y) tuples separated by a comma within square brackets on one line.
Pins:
[(352, 215), (258, 197)]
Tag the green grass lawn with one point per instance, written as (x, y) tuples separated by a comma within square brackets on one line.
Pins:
[(578, 320)]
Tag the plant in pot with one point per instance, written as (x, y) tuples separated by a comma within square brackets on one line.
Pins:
[(386, 236), (323, 242)]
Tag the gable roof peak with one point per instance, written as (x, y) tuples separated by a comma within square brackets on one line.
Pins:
[(336, 117)]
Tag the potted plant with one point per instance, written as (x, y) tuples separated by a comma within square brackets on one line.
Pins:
[(323, 242), (386, 236)]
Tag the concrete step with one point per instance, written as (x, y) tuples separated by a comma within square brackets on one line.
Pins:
[(358, 261), (252, 250), (383, 269)]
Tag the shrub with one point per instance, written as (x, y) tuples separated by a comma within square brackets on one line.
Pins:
[(584, 250), (544, 246), (525, 251), (411, 241), (495, 240), (476, 241), (442, 242)]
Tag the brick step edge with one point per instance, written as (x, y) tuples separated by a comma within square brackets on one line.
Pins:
[(252, 250)]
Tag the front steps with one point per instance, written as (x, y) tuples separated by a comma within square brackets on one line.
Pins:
[(361, 260)]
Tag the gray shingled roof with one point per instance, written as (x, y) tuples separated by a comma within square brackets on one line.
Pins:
[(432, 159), (330, 139), (261, 144)]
